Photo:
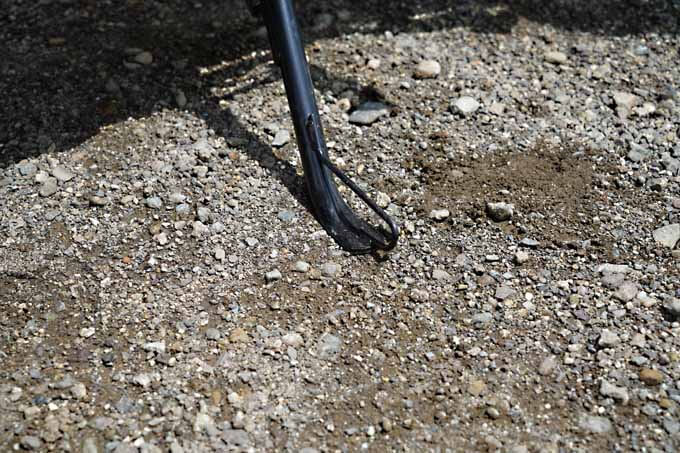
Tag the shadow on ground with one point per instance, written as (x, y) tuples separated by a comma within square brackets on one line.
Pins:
[(65, 74)]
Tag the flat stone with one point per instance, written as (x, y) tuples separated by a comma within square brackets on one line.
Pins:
[(612, 391), (155, 346), (329, 346), (154, 202), (625, 100), (368, 113), (142, 380), (497, 108), (667, 236), (439, 214), (556, 57), (465, 105), (62, 174), (145, 58), (500, 212), (301, 266), (330, 269), (504, 292), (608, 339), (595, 424), (607, 268), (427, 69), (293, 339), (27, 168), (547, 365), (31, 442), (626, 292), (529, 243), (281, 138), (49, 187), (440, 274)]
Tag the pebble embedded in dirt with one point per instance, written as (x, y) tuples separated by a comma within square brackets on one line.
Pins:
[(368, 113), (668, 235), (427, 69), (465, 105), (439, 214), (500, 212)]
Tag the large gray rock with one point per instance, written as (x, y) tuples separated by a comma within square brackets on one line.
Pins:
[(369, 113), (668, 235)]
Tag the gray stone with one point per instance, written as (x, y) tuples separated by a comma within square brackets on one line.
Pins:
[(31, 443), (27, 168), (79, 391), (329, 346), (608, 268), (481, 319), (145, 58), (62, 174), (625, 100), (547, 365), (286, 216), (142, 380), (530, 243), (89, 445), (203, 214), (273, 275), (674, 308), (668, 235), (369, 113), (504, 292), (330, 269), (608, 339), (302, 266), (627, 291), (439, 214), (154, 202), (440, 274), (427, 69), (155, 346), (595, 424), (671, 426), (612, 391), (49, 187), (235, 437), (281, 138), (500, 212), (556, 57), (183, 209), (292, 339), (465, 105), (637, 152)]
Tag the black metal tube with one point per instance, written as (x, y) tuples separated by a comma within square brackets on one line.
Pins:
[(351, 233)]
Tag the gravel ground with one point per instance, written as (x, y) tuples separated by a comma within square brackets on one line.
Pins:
[(164, 286)]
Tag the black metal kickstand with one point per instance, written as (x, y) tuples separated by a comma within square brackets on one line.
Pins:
[(342, 224)]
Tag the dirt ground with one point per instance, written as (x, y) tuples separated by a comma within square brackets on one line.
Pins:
[(164, 285)]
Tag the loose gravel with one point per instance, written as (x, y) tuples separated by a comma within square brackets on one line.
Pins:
[(164, 286)]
